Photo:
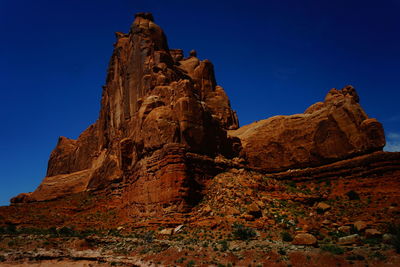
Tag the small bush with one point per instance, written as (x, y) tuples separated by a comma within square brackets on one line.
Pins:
[(320, 211), (394, 229), (287, 237), (379, 256), (336, 234), (224, 245), (242, 232), (282, 251), (353, 195), (355, 257), (33, 231), (332, 249), (66, 231), (11, 229), (180, 260), (191, 263), (373, 241), (149, 236)]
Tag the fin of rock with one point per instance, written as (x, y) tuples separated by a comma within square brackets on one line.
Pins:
[(328, 131)]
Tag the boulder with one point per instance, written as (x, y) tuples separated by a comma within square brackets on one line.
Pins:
[(372, 233), (167, 231), (345, 229), (304, 239), (360, 225), (349, 240), (323, 206), (254, 209)]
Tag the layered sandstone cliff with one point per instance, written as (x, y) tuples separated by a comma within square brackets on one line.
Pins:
[(156, 107), (162, 131)]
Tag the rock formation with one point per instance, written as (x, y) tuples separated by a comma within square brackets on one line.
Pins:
[(162, 131), (328, 131), (156, 107)]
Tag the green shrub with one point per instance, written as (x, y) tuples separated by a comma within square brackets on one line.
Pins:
[(287, 237), (355, 257), (149, 236), (191, 263), (224, 245), (282, 251), (320, 211), (11, 229), (373, 241), (332, 249), (353, 195), (379, 256), (242, 232), (66, 231), (180, 260), (394, 229)]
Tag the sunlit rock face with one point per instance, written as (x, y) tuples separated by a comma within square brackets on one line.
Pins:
[(327, 131)]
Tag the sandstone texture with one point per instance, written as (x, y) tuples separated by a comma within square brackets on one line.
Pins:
[(327, 131), (304, 239)]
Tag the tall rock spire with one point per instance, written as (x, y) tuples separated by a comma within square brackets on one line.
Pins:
[(156, 107)]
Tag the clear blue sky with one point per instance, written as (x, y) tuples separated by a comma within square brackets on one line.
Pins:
[(272, 57)]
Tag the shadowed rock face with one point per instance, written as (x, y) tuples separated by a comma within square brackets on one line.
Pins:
[(162, 131), (327, 131)]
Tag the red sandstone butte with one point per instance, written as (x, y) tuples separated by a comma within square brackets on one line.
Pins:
[(156, 107), (162, 131)]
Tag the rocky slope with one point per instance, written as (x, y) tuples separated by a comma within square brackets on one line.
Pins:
[(167, 152)]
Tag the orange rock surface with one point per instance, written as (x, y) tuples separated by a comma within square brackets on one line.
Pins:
[(328, 131)]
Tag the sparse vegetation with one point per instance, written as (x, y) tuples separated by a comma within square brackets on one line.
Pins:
[(67, 231), (191, 263), (180, 260), (224, 245), (355, 257), (353, 195), (378, 256), (242, 232), (332, 249), (11, 229), (394, 230)]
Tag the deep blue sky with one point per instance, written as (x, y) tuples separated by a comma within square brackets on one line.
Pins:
[(272, 57)]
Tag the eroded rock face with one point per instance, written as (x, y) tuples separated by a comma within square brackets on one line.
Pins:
[(162, 131), (156, 106), (327, 131)]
